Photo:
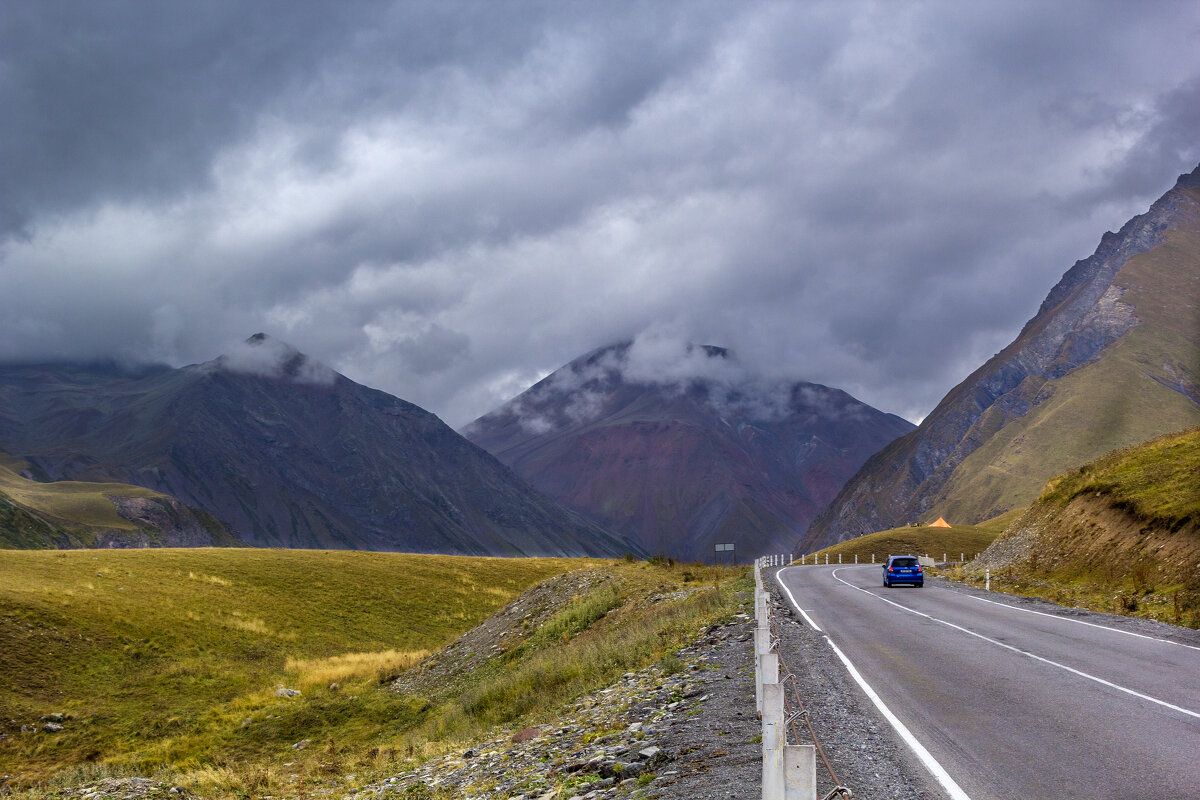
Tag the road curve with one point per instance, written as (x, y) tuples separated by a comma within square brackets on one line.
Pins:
[(1014, 704)]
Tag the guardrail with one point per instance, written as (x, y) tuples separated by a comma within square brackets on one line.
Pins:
[(926, 560), (789, 771)]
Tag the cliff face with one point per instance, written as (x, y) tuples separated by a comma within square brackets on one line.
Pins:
[(682, 465), (1111, 358)]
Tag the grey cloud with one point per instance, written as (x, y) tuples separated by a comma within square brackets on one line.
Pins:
[(270, 358), (449, 200)]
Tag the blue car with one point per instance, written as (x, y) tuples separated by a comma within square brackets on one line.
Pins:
[(903, 569)]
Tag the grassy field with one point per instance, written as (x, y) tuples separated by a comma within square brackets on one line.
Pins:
[(1158, 481), (960, 540), (165, 663)]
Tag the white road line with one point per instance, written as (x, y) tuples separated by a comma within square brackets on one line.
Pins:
[(1081, 622), (1072, 670), (796, 605), (936, 769)]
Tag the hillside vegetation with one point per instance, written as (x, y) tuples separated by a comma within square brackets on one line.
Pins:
[(1120, 534), (168, 663), (956, 541)]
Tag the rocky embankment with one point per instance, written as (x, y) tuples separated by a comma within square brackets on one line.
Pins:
[(687, 735)]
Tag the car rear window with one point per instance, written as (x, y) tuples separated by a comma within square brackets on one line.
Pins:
[(904, 562)]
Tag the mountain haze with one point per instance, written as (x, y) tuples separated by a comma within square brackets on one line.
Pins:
[(285, 451), (683, 450), (1111, 359)]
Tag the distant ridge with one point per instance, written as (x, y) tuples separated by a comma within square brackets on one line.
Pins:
[(1111, 359), (680, 449), (287, 452)]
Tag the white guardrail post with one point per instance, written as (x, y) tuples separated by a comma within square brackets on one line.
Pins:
[(789, 772)]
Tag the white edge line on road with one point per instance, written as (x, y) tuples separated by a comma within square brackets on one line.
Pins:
[(1081, 622), (936, 769), (931, 763), (1072, 670), (796, 605)]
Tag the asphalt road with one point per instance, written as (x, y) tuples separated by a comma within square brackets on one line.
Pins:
[(1012, 704)]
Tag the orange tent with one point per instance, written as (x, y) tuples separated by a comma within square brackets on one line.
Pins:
[(941, 523)]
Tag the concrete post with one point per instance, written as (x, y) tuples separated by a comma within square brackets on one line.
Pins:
[(767, 668), (827, 559), (773, 784), (839, 558), (800, 772)]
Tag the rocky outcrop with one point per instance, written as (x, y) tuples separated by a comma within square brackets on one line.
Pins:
[(166, 522)]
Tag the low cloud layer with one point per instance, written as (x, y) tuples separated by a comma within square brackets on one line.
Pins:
[(586, 389), (449, 200), (269, 358)]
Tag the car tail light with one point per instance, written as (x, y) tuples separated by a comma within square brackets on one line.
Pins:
[(891, 570), (918, 569)]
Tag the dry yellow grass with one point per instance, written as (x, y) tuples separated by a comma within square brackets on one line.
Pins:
[(319, 671)]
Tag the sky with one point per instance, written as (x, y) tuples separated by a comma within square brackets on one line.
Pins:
[(448, 200)]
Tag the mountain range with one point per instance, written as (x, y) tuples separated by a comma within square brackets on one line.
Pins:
[(1111, 359), (686, 454), (286, 452)]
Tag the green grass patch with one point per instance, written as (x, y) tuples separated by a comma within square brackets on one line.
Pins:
[(1117, 535), (637, 632), (76, 502), (1158, 481)]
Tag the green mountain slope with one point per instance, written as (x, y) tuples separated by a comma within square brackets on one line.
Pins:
[(1111, 359), (1145, 384), (83, 514)]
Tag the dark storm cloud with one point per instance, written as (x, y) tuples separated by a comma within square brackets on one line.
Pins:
[(448, 200)]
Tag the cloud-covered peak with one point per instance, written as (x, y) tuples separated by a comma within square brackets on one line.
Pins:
[(266, 357)]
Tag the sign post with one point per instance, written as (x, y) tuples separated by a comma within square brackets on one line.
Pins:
[(727, 547)]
